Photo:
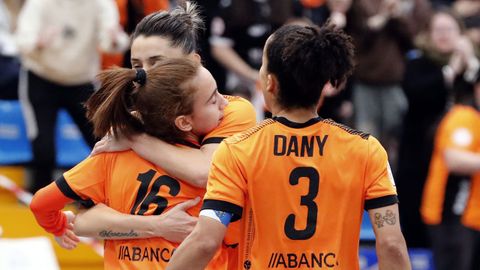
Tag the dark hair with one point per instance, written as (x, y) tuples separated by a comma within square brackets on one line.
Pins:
[(122, 107), (181, 25), (305, 58)]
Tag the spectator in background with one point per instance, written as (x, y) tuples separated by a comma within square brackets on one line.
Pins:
[(382, 36), (9, 63), (238, 36), (58, 41), (430, 70)]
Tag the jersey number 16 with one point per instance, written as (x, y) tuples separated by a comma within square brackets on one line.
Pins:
[(152, 197)]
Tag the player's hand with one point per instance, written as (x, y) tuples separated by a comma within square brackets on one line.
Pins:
[(69, 239), (177, 224), (110, 144)]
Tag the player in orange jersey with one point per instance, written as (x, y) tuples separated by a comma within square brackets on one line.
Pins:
[(176, 101), (300, 183), (451, 194)]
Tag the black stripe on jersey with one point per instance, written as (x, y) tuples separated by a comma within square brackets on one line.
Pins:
[(348, 129), (213, 140), (68, 192), (291, 124), (249, 132), (381, 202), (189, 144), (225, 207)]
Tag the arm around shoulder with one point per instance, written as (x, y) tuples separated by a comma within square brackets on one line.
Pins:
[(104, 222), (188, 164)]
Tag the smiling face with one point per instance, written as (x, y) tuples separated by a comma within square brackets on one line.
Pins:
[(147, 51), (208, 104)]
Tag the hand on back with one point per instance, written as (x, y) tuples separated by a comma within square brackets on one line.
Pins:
[(110, 144), (177, 224)]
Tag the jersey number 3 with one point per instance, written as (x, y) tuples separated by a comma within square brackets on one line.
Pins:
[(152, 197), (306, 200)]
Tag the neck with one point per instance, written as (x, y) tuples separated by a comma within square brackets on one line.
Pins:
[(297, 115)]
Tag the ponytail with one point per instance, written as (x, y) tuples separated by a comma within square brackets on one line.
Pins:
[(136, 101), (110, 108)]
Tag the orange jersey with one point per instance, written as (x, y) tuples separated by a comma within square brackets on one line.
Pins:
[(239, 115), (444, 194), (129, 184), (302, 190)]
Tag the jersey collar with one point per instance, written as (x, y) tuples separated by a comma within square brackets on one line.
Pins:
[(291, 124)]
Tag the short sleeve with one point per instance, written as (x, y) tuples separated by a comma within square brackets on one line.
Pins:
[(380, 185), (86, 181), (239, 115), (226, 186)]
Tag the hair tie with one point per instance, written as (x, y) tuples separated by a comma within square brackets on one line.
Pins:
[(140, 76)]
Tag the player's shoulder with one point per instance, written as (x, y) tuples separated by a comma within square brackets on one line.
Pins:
[(345, 131), (238, 102), (235, 98), (460, 115), (239, 108), (464, 112), (250, 133), (354, 141)]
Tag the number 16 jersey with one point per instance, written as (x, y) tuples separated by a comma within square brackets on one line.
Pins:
[(302, 189), (129, 184)]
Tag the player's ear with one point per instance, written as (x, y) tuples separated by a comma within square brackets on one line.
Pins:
[(272, 84), (196, 57), (184, 123)]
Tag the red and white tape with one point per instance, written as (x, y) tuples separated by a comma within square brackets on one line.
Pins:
[(26, 198)]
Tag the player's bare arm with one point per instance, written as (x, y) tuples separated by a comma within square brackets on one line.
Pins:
[(461, 161), (390, 244), (104, 222), (190, 165)]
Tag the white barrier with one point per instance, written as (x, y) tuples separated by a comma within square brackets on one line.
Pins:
[(25, 197)]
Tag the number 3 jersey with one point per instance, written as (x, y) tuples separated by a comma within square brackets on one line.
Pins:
[(132, 185), (302, 189)]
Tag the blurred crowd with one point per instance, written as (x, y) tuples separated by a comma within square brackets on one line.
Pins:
[(416, 61)]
